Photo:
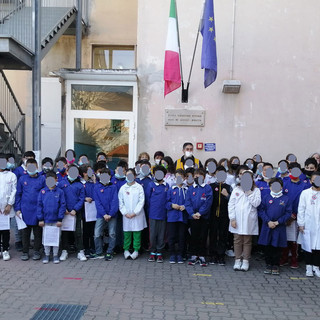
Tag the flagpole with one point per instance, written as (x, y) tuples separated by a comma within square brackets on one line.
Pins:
[(185, 91), (175, 2)]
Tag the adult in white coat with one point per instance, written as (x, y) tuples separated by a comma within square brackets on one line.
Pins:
[(308, 220), (243, 217), (131, 202), (8, 189)]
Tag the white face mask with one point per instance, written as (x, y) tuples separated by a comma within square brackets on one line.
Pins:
[(188, 154), (157, 161)]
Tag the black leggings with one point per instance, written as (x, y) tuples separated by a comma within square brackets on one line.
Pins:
[(5, 238), (272, 255)]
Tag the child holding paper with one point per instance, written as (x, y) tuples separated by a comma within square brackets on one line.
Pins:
[(51, 210), (8, 182)]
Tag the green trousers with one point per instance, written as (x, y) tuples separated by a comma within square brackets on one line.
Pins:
[(128, 240)]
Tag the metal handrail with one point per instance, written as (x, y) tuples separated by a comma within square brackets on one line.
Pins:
[(12, 136)]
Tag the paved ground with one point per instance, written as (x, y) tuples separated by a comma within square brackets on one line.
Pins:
[(142, 290)]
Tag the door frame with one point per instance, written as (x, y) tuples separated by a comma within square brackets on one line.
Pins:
[(132, 116)]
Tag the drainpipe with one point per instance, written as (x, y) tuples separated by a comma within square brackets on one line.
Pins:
[(78, 34)]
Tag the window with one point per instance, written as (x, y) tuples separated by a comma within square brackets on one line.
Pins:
[(114, 57)]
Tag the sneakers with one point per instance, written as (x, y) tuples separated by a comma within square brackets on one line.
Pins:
[(134, 255), (180, 259), (268, 270), (221, 262), (45, 260), (152, 257), (108, 257), (294, 265), (159, 258), (5, 256), (193, 260), (237, 265), (172, 259), (126, 254), (316, 271), (96, 256), (203, 262), (81, 256), (309, 271), (245, 265), (275, 270), (230, 253), (25, 256), (36, 256), (64, 255), (56, 260), (213, 260)]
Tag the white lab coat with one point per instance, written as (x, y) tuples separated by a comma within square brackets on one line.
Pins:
[(243, 208), (309, 215), (131, 200), (8, 189)]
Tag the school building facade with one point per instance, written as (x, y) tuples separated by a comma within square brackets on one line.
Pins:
[(115, 103)]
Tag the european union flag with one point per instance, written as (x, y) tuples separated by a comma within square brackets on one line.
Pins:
[(209, 49)]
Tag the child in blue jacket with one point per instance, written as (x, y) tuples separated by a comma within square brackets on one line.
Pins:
[(156, 196), (198, 204), (107, 204), (177, 217), (51, 210), (74, 195), (28, 188)]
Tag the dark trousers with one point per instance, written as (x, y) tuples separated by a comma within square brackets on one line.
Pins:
[(218, 235), (5, 238), (26, 232), (272, 255), (157, 232), (176, 234), (77, 235), (199, 234), (88, 233), (312, 258)]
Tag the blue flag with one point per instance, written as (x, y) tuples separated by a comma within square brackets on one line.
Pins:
[(209, 49)]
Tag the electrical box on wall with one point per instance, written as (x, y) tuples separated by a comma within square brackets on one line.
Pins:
[(199, 145)]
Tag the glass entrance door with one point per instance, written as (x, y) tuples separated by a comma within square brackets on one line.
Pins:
[(101, 117)]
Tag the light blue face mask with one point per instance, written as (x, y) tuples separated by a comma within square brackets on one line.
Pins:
[(10, 165), (32, 173), (282, 172), (129, 180), (118, 176), (71, 179), (276, 194)]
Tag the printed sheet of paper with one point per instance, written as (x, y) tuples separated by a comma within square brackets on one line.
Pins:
[(68, 223), (51, 236), (4, 222), (305, 240), (20, 223), (90, 211)]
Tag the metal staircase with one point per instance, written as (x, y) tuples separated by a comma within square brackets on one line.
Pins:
[(28, 29), (12, 120)]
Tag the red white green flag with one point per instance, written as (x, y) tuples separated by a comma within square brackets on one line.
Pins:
[(172, 75)]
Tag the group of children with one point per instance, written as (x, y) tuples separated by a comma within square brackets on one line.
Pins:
[(196, 211)]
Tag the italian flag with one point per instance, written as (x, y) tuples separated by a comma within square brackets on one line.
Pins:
[(172, 75)]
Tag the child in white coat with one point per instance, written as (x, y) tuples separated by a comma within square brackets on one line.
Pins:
[(243, 217), (308, 219), (131, 202)]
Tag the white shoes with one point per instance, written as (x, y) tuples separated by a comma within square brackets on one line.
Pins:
[(309, 272), (126, 254), (81, 256), (315, 270), (245, 265), (6, 256), (64, 255), (134, 255), (237, 265), (230, 253)]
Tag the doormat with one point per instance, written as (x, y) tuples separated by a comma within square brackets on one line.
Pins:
[(59, 312)]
